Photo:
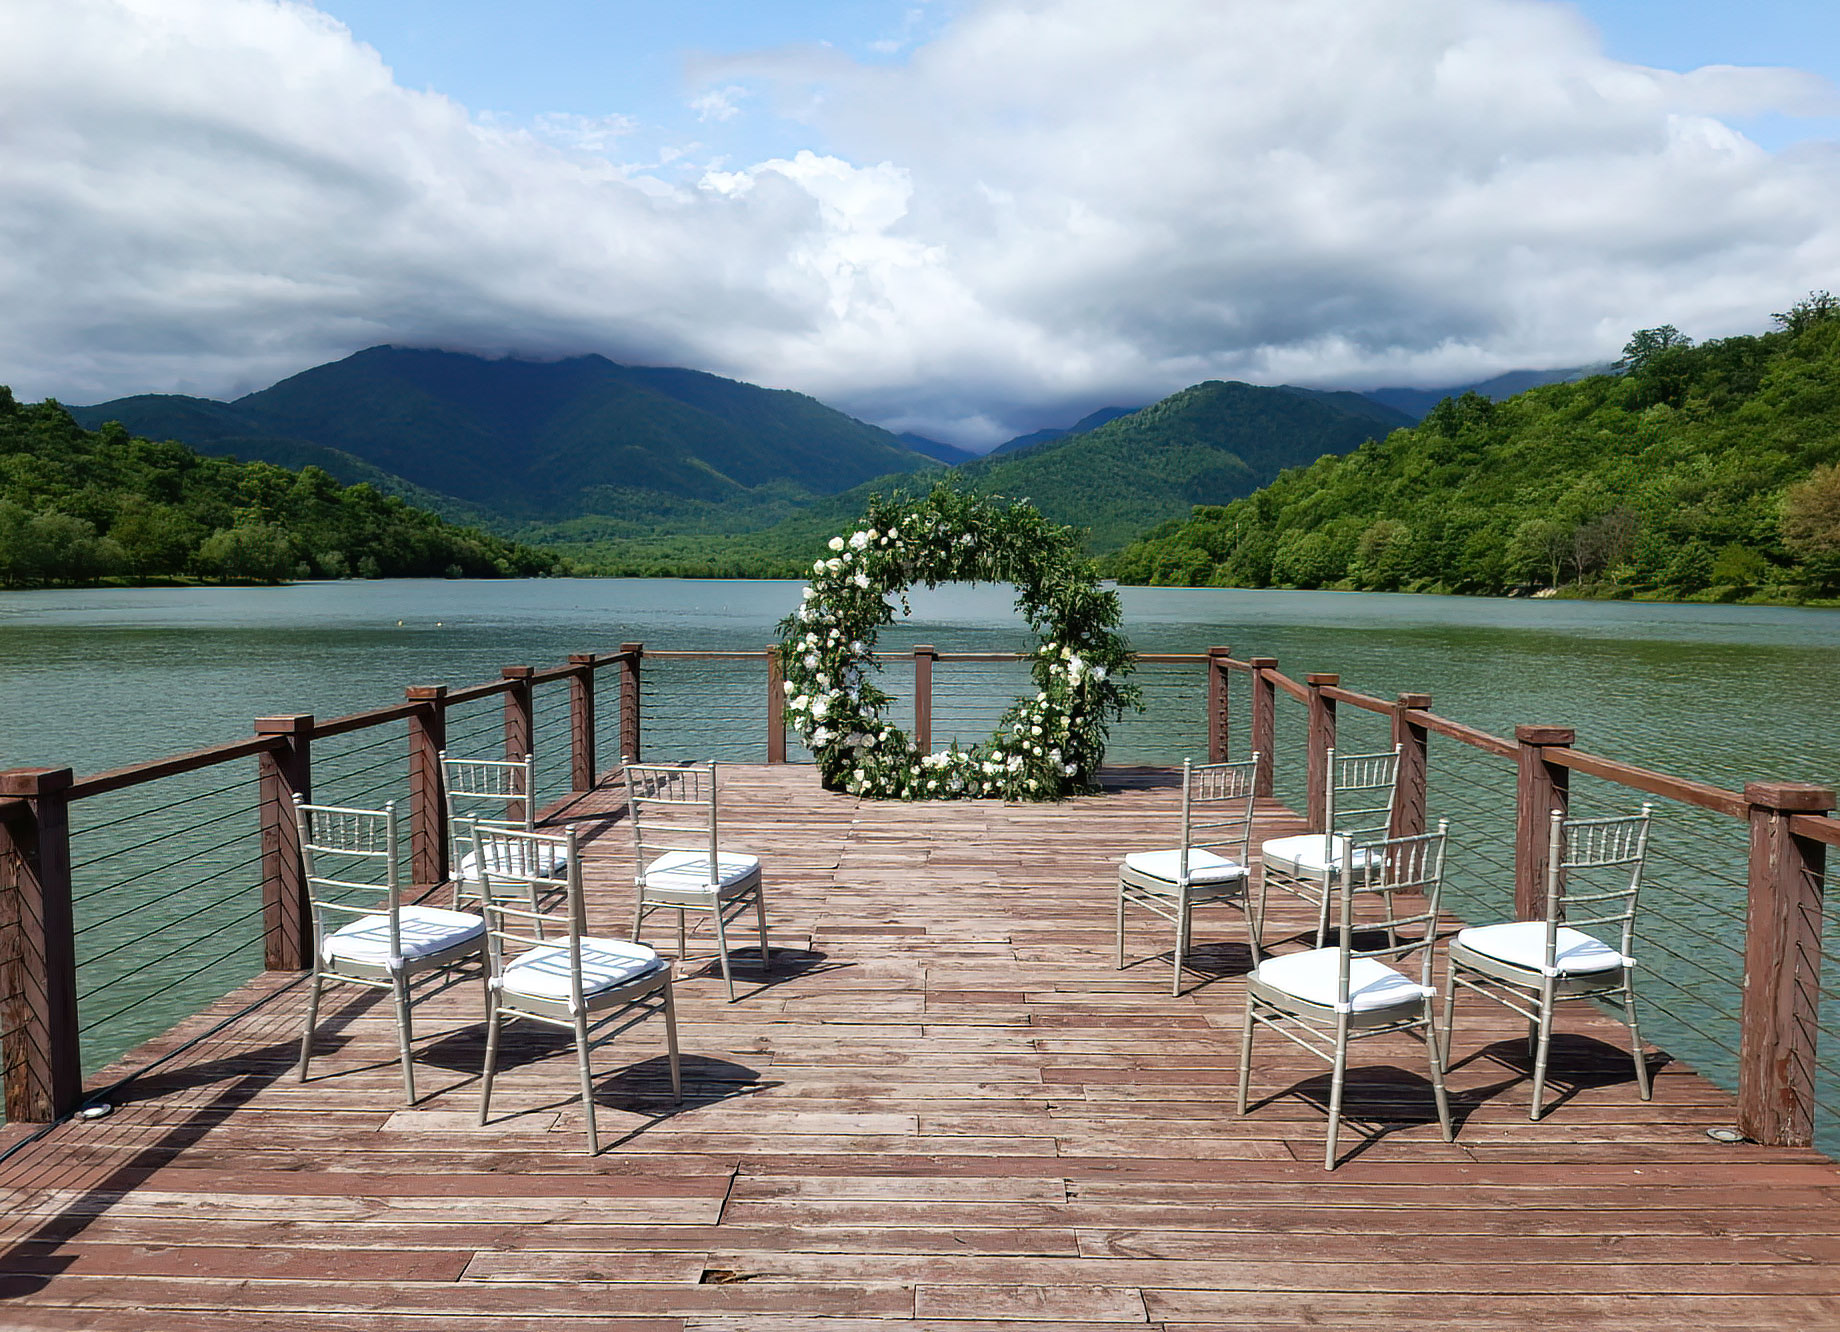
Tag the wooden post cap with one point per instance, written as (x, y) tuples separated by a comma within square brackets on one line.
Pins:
[(583, 658), (634, 648), (1545, 735), (517, 672), (925, 650), (1420, 701), (296, 723), (35, 781), (1263, 663), (1220, 650), (1319, 678), (425, 693), (1795, 797)]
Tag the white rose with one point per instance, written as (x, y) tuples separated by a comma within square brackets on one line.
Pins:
[(835, 566), (820, 708), (837, 543), (861, 579), (858, 540), (818, 567), (1098, 672), (810, 592)]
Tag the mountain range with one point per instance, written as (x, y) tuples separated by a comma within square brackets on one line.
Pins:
[(704, 473)]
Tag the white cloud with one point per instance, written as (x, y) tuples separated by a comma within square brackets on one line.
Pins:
[(1052, 203), (719, 104)]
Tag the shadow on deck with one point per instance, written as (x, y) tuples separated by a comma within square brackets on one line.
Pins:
[(941, 1105)]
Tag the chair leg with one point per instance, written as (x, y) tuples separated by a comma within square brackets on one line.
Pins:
[(670, 1043), (405, 1033), (1322, 914), (1542, 1049), (1337, 1078), (683, 946), (1121, 925), (1643, 1082), (493, 1023), (760, 924), (1183, 925), (1438, 1089), (638, 917), (306, 1037), (534, 909), (1255, 922), (1450, 1010), (1245, 1053), (722, 949), (587, 1082)]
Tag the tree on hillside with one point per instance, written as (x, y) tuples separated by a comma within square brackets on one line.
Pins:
[(1811, 523), (1648, 343), (1817, 307)]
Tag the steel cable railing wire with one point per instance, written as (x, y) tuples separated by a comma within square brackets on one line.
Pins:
[(149, 963), (162, 835), (189, 856), (201, 980), (166, 899)]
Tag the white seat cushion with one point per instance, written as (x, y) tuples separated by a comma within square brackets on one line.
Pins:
[(1311, 977), (688, 872), (1522, 943), (543, 973), (1310, 853), (550, 862), (1203, 865), (423, 931)]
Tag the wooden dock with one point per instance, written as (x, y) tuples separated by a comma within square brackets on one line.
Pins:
[(942, 1108)]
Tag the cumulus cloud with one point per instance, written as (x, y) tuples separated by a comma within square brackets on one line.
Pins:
[(1048, 205)]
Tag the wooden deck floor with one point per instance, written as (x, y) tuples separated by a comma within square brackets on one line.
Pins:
[(942, 1109)]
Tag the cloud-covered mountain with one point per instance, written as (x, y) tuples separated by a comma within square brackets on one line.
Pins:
[(1045, 201)]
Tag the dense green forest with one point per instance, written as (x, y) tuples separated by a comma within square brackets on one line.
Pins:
[(1694, 471), (79, 506)]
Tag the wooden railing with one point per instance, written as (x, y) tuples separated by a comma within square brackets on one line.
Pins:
[(1788, 828)]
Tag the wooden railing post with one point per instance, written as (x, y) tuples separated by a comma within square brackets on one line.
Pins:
[(924, 657), (38, 951), (776, 706), (427, 809), (520, 724), (1782, 967), (1414, 743), (631, 654), (581, 721), (285, 771), (1264, 723), (1543, 787), (1321, 741), (1219, 733)]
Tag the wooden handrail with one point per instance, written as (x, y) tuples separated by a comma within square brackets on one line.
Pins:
[(1469, 735), (473, 692), (1365, 701), (135, 774), (1816, 828), (1299, 692), (358, 721), (1655, 783)]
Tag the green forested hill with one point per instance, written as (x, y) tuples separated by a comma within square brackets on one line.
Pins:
[(541, 441), (79, 505), (1205, 445), (1697, 471)]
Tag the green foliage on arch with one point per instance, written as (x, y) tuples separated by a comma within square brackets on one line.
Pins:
[(1045, 747)]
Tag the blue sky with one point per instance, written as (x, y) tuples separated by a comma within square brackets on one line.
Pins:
[(969, 218)]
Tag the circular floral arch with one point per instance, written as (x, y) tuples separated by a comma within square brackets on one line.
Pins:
[(1045, 747)]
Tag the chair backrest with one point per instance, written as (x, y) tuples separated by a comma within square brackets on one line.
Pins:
[(672, 808), (517, 868), (1393, 871), (497, 791), (1362, 789), (1593, 875), (1217, 809), (352, 860)]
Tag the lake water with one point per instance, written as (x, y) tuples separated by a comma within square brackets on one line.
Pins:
[(95, 679)]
